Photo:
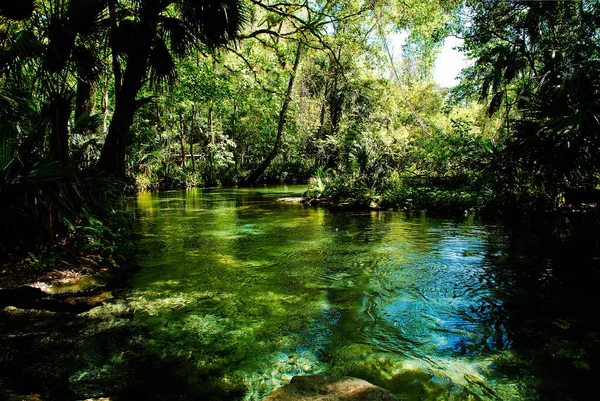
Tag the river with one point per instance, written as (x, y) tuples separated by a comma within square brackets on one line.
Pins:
[(238, 292)]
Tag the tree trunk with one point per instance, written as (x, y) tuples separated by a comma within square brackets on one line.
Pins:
[(105, 109), (233, 135), (192, 157), (256, 174), (83, 100), (159, 127), (112, 159), (83, 106), (212, 179), (181, 135), (193, 138), (336, 103), (404, 97), (211, 133), (59, 112), (321, 131), (116, 64)]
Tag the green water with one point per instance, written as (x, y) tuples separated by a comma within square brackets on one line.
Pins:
[(239, 292)]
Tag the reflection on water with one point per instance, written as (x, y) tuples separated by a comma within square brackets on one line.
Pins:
[(238, 293)]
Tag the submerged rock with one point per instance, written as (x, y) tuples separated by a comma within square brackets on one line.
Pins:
[(330, 388), (290, 199)]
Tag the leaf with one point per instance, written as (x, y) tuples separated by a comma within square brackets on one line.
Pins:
[(162, 66), (214, 22), (180, 38)]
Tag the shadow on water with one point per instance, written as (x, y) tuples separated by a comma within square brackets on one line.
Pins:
[(549, 275), (72, 361), (238, 293)]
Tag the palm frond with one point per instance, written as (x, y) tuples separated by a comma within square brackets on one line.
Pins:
[(180, 38), (88, 122), (214, 22), (162, 66), (8, 142), (14, 111), (21, 46), (85, 16)]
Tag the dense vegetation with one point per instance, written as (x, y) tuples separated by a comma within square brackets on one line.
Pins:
[(100, 96)]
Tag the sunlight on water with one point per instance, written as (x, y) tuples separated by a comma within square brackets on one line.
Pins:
[(237, 293), (255, 292)]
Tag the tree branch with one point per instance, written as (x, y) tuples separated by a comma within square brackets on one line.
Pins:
[(245, 60)]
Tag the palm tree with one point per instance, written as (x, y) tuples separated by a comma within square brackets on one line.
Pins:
[(159, 30), (52, 50), (46, 50), (540, 60)]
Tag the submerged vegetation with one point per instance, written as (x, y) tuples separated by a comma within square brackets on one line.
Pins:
[(100, 99), (238, 293)]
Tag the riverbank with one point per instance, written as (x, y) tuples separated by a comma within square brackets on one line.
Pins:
[(70, 272), (449, 207), (67, 287)]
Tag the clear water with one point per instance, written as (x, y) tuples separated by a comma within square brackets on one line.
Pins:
[(238, 292)]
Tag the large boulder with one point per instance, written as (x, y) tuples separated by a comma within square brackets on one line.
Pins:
[(329, 388)]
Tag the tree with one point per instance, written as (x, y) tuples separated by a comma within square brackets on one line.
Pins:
[(539, 61), (143, 40), (308, 26), (52, 50), (46, 51), (283, 115)]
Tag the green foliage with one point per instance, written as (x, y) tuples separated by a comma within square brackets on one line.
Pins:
[(372, 133), (105, 239), (394, 163), (411, 195), (318, 184), (538, 63)]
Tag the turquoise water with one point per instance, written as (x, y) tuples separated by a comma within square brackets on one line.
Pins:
[(238, 292)]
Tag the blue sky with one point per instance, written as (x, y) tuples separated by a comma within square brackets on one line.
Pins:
[(449, 63)]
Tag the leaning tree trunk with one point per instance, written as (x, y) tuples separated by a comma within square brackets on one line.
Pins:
[(112, 159), (259, 171), (116, 64)]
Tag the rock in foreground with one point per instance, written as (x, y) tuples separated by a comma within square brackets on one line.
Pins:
[(329, 388)]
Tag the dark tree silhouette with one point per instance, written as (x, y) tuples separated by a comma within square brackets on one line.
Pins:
[(538, 63), (16, 10)]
